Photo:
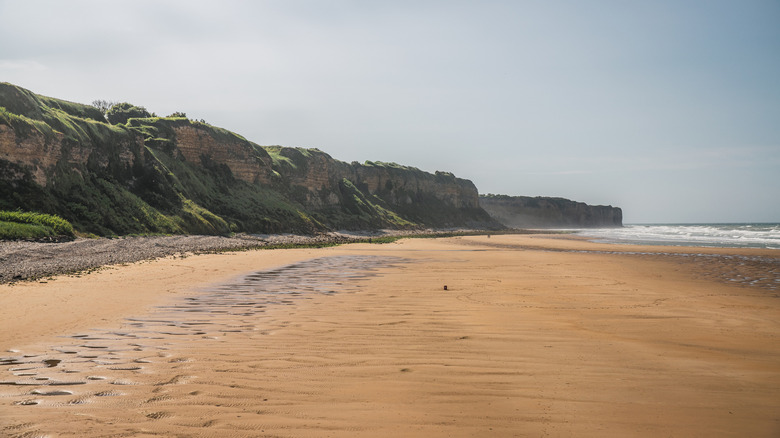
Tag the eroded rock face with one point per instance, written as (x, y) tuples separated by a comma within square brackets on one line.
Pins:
[(34, 151), (41, 153), (404, 186), (541, 212), (320, 175), (312, 175), (245, 161)]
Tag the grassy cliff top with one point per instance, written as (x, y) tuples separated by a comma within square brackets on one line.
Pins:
[(20, 101)]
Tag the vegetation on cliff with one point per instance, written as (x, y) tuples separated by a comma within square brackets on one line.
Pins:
[(16, 225), (116, 169)]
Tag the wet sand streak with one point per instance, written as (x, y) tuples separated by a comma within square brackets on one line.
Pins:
[(147, 346)]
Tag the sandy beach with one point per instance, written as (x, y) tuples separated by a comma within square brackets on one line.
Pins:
[(534, 336)]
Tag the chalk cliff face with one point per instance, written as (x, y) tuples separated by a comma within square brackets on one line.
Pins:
[(174, 175), (541, 212)]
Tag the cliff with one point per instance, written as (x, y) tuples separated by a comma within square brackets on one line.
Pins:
[(174, 175), (542, 212), (375, 192)]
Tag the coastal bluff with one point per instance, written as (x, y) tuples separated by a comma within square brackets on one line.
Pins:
[(173, 175), (547, 212)]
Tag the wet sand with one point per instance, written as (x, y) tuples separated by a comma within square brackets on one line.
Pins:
[(534, 336)]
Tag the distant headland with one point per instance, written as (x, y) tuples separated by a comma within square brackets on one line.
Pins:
[(546, 212)]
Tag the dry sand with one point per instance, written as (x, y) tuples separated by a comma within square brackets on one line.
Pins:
[(530, 339)]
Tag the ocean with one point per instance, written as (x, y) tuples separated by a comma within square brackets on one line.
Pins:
[(758, 235)]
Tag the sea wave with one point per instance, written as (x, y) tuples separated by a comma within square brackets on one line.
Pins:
[(708, 235)]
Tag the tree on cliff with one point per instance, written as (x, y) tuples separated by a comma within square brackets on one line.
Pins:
[(103, 105), (121, 112)]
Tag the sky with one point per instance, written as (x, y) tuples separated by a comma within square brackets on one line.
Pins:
[(669, 109)]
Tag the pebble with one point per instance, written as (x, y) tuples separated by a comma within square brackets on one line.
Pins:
[(21, 260)]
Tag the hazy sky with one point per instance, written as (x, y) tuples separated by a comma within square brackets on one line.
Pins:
[(668, 109)]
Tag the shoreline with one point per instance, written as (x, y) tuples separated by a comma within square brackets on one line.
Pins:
[(24, 260), (33, 261), (184, 266), (536, 335)]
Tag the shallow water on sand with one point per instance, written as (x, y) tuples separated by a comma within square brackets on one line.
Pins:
[(88, 367), (759, 271)]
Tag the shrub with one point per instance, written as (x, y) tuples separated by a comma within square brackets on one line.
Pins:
[(121, 112), (56, 224), (18, 231)]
